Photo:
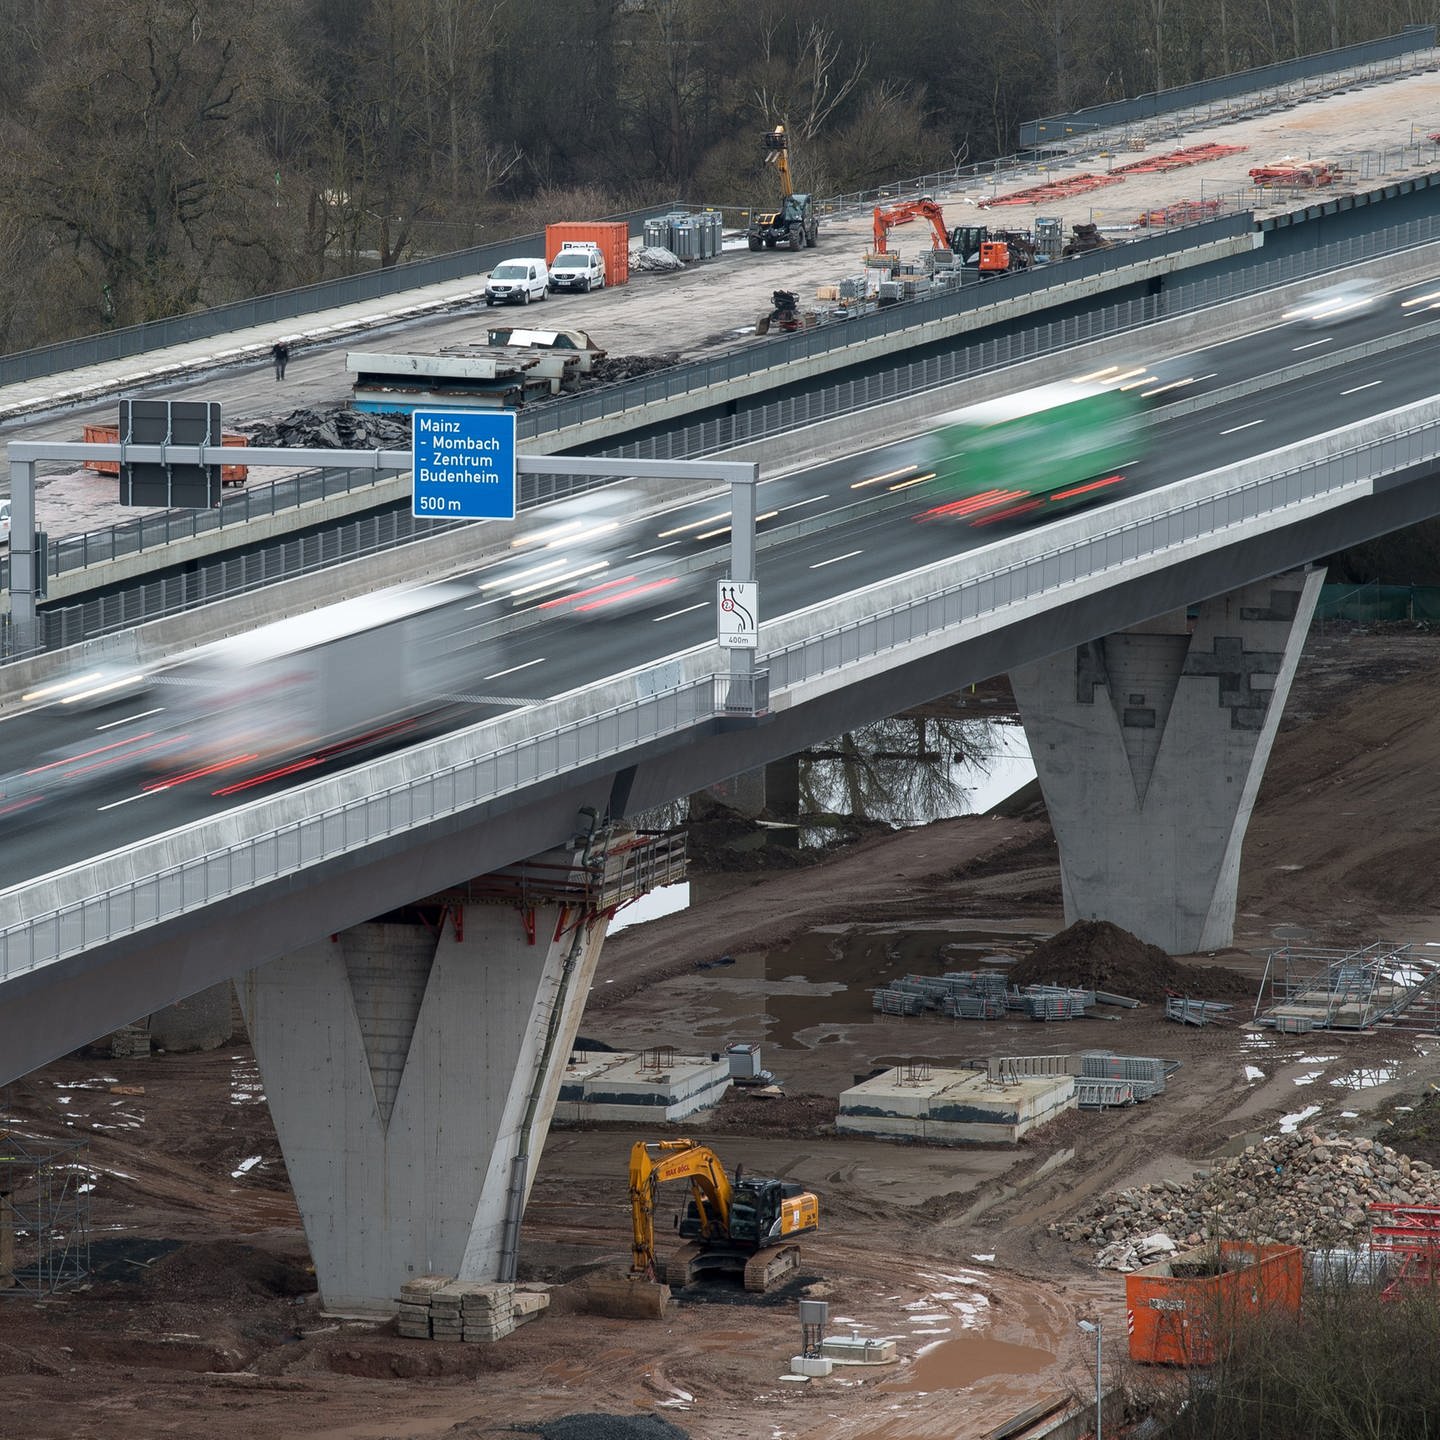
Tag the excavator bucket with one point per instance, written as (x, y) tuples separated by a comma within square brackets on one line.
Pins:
[(625, 1297)]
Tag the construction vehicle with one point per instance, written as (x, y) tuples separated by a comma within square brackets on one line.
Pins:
[(795, 223), (784, 313), (990, 252), (740, 1227), (887, 217)]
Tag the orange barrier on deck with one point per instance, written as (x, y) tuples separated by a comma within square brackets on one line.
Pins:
[(1055, 190), (1178, 159), (110, 434), (1183, 212), (1182, 1310)]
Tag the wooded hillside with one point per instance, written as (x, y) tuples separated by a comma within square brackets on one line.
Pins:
[(164, 155)]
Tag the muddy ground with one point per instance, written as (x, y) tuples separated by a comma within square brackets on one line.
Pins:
[(202, 1318)]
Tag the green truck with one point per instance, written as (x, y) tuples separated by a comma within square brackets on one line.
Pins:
[(1034, 451)]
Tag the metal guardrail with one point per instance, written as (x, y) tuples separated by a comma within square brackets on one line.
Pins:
[(1244, 82), (962, 364), (1042, 574), (69, 625), (784, 350), (666, 710), (68, 355)]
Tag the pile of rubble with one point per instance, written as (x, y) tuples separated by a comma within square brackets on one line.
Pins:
[(654, 260), (336, 429), (1300, 1189)]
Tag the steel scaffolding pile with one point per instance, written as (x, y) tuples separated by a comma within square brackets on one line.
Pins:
[(44, 1216), (1411, 1235), (1318, 989)]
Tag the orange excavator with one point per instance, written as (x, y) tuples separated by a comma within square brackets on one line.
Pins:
[(736, 1227), (992, 254)]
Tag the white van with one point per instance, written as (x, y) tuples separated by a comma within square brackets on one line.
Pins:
[(517, 282), (4, 522), (579, 266)]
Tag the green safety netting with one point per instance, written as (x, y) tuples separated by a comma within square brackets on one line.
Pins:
[(1378, 602)]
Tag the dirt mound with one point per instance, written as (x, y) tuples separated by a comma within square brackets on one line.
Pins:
[(225, 1270), (1096, 955)]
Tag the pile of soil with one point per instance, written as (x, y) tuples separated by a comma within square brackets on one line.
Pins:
[(605, 1427), (1416, 1131), (1096, 955)]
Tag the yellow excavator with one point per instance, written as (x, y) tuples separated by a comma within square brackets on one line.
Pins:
[(734, 1227)]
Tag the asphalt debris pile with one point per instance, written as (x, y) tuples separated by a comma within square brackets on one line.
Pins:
[(1096, 955), (1304, 1188), (605, 1427), (614, 368), (337, 429)]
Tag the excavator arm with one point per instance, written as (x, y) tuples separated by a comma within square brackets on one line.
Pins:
[(654, 1161), (888, 217)]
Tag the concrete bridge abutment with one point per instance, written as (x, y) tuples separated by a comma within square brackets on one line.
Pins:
[(1150, 746), (412, 1065)]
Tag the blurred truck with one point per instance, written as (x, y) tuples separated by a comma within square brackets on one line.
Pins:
[(1034, 451)]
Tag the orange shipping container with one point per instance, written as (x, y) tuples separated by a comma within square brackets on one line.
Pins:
[(612, 236), (1182, 1310), (110, 434)]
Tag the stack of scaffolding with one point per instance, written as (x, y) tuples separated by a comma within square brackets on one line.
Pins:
[(1194, 1012), (1144, 1074), (979, 995)]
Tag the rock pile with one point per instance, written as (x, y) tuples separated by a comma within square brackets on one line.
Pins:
[(1301, 1189)]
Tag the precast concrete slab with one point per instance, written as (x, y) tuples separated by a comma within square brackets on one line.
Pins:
[(642, 1087), (948, 1107)]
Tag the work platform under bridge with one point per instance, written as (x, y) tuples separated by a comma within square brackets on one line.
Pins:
[(412, 1063)]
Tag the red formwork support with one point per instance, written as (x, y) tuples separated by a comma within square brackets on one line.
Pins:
[(1411, 1235)]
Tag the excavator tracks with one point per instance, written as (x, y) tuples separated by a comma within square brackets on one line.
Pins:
[(767, 1269)]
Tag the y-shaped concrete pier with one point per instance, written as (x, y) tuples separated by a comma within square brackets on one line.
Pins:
[(1150, 746)]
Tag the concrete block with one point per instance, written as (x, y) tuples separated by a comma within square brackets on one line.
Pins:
[(811, 1366)]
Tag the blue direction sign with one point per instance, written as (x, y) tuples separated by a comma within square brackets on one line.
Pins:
[(463, 463)]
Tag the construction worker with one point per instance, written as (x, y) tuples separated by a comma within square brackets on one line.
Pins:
[(280, 353)]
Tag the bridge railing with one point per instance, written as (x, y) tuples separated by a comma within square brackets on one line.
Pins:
[(670, 700), (64, 625)]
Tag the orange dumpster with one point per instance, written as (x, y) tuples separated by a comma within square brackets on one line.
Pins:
[(1181, 1311), (110, 435)]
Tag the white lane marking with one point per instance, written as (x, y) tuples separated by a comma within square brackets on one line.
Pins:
[(1310, 345), (658, 618), (111, 724), (654, 550), (849, 555), (480, 605), (514, 668), (1237, 428), (116, 804), (813, 500), (1369, 384)]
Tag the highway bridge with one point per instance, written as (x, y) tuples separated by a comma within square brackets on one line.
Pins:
[(1150, 641)]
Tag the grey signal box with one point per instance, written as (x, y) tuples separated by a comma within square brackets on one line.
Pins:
[(170, 422)]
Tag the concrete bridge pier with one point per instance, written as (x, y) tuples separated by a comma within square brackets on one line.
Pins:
[(412, 1065), (1150, 745)]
